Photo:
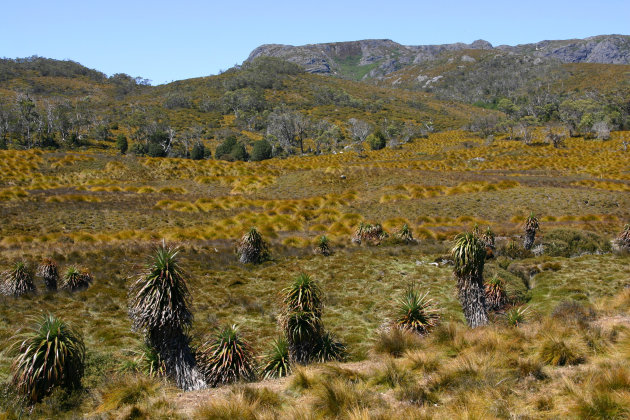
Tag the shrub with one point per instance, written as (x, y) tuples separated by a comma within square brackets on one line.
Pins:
[(252, 248), (571, 242), (262, 150), (276, 360), (49, 272), (18, 280), (329, 349), (121, 144), (138, 149), (198, 151), (416, 312), (376, 140), (75, 280), (51, 354), (227, 358), (405, 235)]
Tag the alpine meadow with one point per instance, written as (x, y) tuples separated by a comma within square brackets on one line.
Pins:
[(351, 230)]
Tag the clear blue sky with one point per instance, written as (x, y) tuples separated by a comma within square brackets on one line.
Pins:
[(174, 40)]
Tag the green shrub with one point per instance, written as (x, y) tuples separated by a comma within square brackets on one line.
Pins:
[(572, 242), (261, 151), (416, 312), (376, 140), (198, 151), (122, 144), (18, 280)]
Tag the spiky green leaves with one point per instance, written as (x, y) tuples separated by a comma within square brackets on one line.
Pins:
[(159, 298), (301, 321), (18, 280), (50, 354), (49, 272), (405, 234), (276, 361), (469, 255), (252, 248), (323, 246), (368, 233), (227, 358), (75, 279), (416, 312)]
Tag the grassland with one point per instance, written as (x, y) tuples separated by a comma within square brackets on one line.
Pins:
[(105, 212)]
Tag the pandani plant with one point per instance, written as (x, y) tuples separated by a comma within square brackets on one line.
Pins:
[(252, 248), (49, 272), (18, 280), (51, 354), (416, 312), (469, 256), (227, 358), (531, 227), (159, 306)]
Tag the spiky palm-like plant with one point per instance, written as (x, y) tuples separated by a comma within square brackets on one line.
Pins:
[(227, 358), (301, 319), (469, 256), (368, 233), (623, 240), (496, 297), (75, 279), (159, 305), (416, 312), (487, 237), (531, 227), (329, 349), (276, 361), (405, 234), (18, 280), (252, 248), (323, 246), (50, 354), (49, 272)]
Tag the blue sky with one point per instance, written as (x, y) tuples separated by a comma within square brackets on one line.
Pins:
[(174, 40)]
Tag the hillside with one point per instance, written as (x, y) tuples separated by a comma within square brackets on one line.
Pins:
[(373, 58)]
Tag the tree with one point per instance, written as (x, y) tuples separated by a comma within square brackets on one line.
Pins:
[(160, 307), (261, 151), (27, 116), (290, 128), (121, 144), (359, 129), (469, 256)]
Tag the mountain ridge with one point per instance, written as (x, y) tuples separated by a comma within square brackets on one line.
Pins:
[(375, 58)]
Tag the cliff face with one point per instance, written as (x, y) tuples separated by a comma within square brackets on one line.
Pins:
[(375, 58)]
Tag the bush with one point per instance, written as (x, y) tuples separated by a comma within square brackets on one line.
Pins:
[(252, 248), (572, 242), (198, 152), (276, 360), (51, 355), (122, 144), (416, 312), (262, 150), (138, 149), (557, 352), (377, 140), (155, 150), (75, 280)]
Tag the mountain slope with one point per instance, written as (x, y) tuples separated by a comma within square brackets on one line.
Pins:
[(372, 58)]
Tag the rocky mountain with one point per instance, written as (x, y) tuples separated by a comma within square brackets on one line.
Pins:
[(375, 58)]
